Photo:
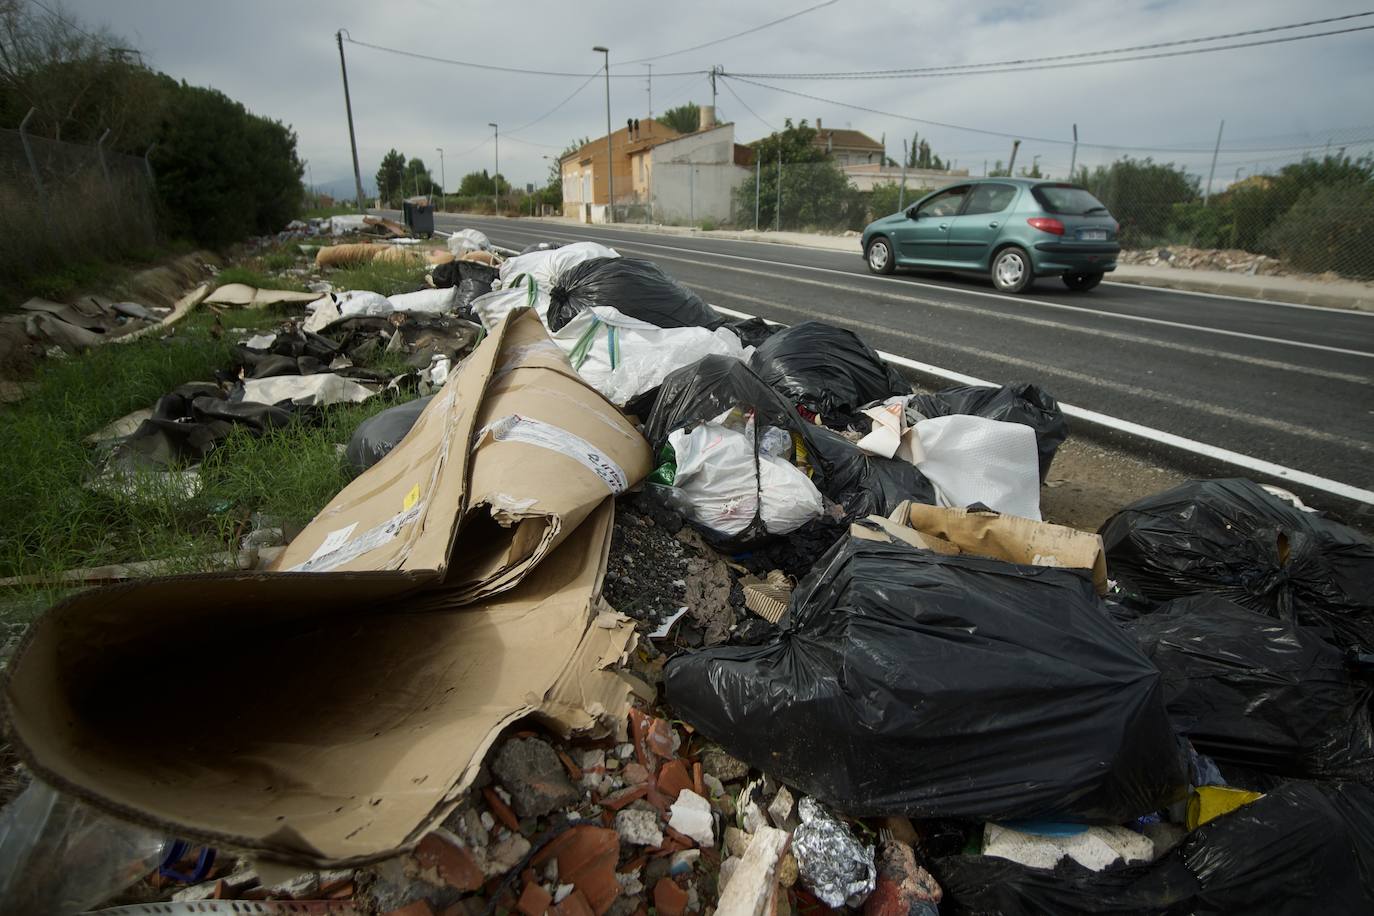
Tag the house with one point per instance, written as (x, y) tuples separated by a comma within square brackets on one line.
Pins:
[(848, 147), (659, 175), (584, 171), (694, 178), (867, 177)]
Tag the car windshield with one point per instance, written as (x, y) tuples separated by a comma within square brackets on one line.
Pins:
[(1068, 200)]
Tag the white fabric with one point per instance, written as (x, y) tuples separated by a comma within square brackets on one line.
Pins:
[(304, 390), (362, 303), (428, 301), (465, 240), (493, 307), (627, 356), (976, 460), (1094, 848), (344, 222), (546, 266), (717, 486)]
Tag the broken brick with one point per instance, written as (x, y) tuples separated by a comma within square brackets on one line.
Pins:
[(418, 908), (574, 771), (669, 899), (534, 901), (621, 799), (586, 858), (575, 904), (500, 810), (451, 862), (673, 778), (697, 783)]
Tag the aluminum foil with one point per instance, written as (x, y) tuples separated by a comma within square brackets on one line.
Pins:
[(833, 864)]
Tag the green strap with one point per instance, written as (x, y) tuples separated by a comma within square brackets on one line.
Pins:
[(578, 356), (613, 345)]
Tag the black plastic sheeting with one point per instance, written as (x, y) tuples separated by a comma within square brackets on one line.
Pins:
[(1304, 848), (188, 423), (381, 432), (864, 484), (1234, 539), (704, 390), (826, 369), (1022, 403), (905, 682), (637, 288), (1261, 693), (753, 331)]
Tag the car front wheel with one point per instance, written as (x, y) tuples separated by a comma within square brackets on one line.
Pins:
[(879, 256), (1081, 283), (1012, 271)]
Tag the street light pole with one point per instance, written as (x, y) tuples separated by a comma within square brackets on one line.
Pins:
[(443, 178), (496, 179), (610, 156)]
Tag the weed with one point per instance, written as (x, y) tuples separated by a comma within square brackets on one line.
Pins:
[(385, 277), (708, 225), (255, 278), (278, 261)]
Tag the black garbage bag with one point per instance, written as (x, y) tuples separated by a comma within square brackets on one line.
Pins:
[(475, 280), (1233, 538), (381, 432), (1257, 692), (906, 682), (1304, 848), (753, 331), (540, 246), (826, 369), (1024, 403), (861, 483), (637, 288)]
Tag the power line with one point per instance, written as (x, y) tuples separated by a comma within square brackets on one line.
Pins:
[(476, 66), (63, 19), (993, 133), (757, 28), (1032, 64), (731, 90), (572, 96)]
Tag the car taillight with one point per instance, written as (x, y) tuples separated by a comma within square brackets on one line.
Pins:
[(1047, 224)]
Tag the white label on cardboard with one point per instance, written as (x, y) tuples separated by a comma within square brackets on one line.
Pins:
[(515, 428), (333, 541), (367, 541)]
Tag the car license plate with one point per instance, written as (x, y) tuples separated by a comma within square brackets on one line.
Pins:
[(1092, 235)]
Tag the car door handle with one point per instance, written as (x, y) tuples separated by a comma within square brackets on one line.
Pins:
[(992, 225), (944, 225)]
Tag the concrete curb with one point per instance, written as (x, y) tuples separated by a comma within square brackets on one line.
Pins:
[(1317, 297)]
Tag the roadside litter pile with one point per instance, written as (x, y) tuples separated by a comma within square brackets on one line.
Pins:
[(640, 609)]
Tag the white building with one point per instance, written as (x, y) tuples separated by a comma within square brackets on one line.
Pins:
[(694, 178)]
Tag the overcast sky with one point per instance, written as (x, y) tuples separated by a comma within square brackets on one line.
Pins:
[(279, 58)]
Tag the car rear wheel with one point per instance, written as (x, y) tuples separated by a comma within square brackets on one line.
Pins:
[(1081, 283), (879, 256), (1012, 271)]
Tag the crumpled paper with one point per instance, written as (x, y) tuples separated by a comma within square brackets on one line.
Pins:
[(831, 861)]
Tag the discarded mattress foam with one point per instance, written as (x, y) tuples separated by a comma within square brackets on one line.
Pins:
[(242, 294), (973, 460), (546, 265), (1235, 539), (623, 357), (908, 682), (378, 683)]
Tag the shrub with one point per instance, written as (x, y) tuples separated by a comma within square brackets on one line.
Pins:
[(1329, 228)]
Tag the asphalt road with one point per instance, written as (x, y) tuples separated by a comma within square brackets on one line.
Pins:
[(1289, 384)]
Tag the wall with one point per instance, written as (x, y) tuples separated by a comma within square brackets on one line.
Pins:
[(591, 160), (695, 177)]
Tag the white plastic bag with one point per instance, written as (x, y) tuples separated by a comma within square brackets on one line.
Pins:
[(718, 487), (427, 301), (493, 307), (465, 240), (362, 303), (546, 266), (976, 460), (622, 357)]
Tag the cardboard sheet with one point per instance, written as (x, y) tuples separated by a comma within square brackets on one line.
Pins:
[(1003, 537)]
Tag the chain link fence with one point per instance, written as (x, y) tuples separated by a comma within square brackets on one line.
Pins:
[(61, 202), (1300, 210)]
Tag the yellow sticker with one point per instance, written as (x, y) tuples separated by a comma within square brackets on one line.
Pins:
[(412, 498)]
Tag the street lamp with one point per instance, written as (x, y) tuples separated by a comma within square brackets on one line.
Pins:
[(496, 179), (610, 159), (443, 178)]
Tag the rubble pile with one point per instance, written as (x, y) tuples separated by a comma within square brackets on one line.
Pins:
[(641, 610), (1230, 260)]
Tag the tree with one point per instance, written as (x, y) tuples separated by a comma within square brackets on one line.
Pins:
[(815, 192), (480, 184), (389, 177), (1141, 194), (999, 170), (1033, 171), (919, 156), (416, 180), (1329, 227), (685, 118)]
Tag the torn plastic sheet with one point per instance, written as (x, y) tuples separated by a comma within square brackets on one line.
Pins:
[(316, 390), (831, 861)]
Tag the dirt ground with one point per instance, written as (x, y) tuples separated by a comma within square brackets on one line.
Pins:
[(1089, 481)]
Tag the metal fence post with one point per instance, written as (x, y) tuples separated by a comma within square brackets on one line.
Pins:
[(1207, 194), (777, 217), (100, 149), (901, 192), (33, 167), (148, 165), (758, 188)]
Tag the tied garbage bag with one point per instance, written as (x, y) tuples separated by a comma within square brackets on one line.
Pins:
[(547, 265), (861, 483), (1257, 692), (908, 682), (1235, 539), (713, 386), (1021, 403), (465, 240), (637, 288), (827, 370), (380, 433), (1303, 848)]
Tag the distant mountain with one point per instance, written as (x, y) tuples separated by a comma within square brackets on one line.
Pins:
[(340, 188)]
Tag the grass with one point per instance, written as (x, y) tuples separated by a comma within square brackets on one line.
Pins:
[(50, 521), (257, 278), (385, 277), (75, 277)]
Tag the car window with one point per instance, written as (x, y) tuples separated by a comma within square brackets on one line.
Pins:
[(946, 203), (989, 198), (1068, 200)]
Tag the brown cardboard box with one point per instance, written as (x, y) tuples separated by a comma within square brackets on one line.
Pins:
[(329, 718)]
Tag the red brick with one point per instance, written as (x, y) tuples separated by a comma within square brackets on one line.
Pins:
[(500, 810), (624, 797), (534, 901), (453, 864), (698, 786), (418, 908), (575, 904), (673, 778), (574, 771), (586, 857), (669, 899)]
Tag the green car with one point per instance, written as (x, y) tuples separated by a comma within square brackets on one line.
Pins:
[(1010, 229)]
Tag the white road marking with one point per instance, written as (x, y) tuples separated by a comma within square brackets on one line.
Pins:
[(1018, 300)]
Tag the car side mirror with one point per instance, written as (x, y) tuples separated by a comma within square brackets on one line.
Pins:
[(913, 214)]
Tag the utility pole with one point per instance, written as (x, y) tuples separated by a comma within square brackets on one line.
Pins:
[(610, 152), (352, 138), (1207, 194), (496, 178), (443, 178), (1011, 166), (651, 89), (714, 70), (1073, 157), (901, 192)]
